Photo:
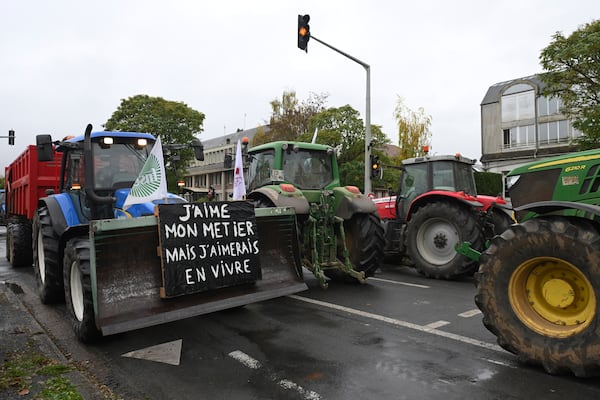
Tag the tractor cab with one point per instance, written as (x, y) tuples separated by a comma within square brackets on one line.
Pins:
[(433, 174)]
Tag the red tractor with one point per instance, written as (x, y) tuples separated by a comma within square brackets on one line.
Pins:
[(436, 209)]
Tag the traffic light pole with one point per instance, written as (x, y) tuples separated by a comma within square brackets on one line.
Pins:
[(366, 66)]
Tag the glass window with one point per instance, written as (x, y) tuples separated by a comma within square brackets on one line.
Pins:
[(509, 108), (443, 176), (563, 130), (259, 172), (307, 169), (552, 132), (525, 108), (518, 102)]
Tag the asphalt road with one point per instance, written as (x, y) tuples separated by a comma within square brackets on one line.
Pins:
[(400, 336)]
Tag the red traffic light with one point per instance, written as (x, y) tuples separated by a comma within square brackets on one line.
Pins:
[(303, 31)]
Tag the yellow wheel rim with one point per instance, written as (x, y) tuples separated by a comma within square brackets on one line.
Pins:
[(552, 297)]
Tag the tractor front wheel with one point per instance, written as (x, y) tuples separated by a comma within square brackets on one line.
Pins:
[(538, 288), (78, 290), (432, 234), (45, 258)]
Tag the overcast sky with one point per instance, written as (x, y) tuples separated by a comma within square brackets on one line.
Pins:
[(65, 63)]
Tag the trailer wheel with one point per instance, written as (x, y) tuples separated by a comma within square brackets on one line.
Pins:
[(18, 243), (364, 241), (78, 290), (538, 288), (47, 269), (432, 233)]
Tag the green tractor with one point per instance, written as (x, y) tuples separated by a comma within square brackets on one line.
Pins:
[(340, 232), (538, 284)]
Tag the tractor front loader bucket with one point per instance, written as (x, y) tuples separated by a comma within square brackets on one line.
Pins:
[(127, 278)]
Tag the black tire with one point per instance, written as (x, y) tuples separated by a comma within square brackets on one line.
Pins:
[(501, 220), (18, 243), (538, 287), (46, 266), (78, 290), (364, 241), (432, 233)]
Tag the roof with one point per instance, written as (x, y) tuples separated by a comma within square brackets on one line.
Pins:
[(232, 138), (495, 91)]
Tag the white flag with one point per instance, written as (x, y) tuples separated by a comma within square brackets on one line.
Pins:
[(239, 185), (151, 183)]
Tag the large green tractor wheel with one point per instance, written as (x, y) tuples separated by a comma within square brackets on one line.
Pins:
[(78, 290), (432, 234), (538, 287)]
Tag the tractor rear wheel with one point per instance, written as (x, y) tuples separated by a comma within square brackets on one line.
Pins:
[(432, 233), (47, 270), (78, 290), (539, 289), (364, 241)]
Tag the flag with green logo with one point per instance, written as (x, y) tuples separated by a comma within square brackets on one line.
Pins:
[(151, 183)]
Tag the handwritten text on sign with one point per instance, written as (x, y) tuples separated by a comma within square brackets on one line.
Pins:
[(207, 246)]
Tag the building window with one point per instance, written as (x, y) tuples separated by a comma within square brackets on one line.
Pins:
[(548, 106), (555, 132), (519, 136), (518, 106)]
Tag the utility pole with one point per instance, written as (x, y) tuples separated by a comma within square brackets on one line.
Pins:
[(304, 36)]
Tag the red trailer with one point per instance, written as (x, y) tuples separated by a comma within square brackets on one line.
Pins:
[(26, 180)]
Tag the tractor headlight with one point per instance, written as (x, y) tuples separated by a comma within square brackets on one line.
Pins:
[(511, 181)]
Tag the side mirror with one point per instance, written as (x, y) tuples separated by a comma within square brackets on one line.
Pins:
[(45, 152), (198, 149)]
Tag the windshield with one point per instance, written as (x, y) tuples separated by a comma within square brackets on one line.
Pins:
[(261, 166), (117, 165), (307, 169), (465, 181)]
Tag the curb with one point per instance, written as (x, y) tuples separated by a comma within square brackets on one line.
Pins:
[(18, 327)]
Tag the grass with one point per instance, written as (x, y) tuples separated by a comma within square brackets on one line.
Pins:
[(28, 372)]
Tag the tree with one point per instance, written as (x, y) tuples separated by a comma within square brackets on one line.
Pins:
[(413, 130), (289, 117), (175, 122), (572, 66), (343, 129)]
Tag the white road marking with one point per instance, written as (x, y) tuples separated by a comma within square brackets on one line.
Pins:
[(308, 394), (245, 359), (400, 283), (401, 323), (252, 363), (470, 313), (437, 324), (168, 353)]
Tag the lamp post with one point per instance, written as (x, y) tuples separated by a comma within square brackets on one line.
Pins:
[(304, 36)]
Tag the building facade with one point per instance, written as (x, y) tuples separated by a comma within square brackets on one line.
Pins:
[(215, 173), (520, 125)]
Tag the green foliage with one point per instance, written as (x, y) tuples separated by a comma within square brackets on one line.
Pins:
[(352, 173), (413, 130), (174, 122), (30, 372), (488, 183), (572, 66), (289, 117)]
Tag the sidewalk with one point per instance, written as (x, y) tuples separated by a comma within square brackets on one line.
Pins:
[(31, 366)]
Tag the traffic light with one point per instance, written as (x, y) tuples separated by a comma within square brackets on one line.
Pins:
[(303, 32), (375, 167), (11, 137)]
